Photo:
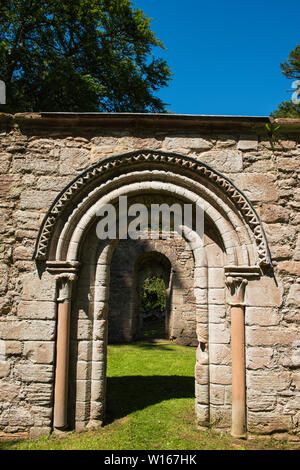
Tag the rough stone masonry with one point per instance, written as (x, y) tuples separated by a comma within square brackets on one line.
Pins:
[(236, 300)]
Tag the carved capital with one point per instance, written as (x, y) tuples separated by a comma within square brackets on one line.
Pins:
[(64, 286), (236, 287)]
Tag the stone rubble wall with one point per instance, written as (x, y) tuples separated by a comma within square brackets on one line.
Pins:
[(35, 164)]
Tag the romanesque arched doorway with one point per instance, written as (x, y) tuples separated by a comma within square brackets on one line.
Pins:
[(232, 252)]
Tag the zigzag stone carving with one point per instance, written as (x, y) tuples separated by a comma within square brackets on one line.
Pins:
[(154, 156)]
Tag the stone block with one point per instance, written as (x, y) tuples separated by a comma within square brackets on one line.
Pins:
[(217, 313), (201, 374), (268, 422), (279, 234), (83, 390), (217, 394), (37, 310), (271, 336), (216, 278), (220, 354), (4, 273), (35, 373), (202, 394), (73, 160), (32, 199), (38, 289), (293, 297), (247, 142), (13, 348), (40, 352), (220, 374), (39, 393), (271, 213), (9, 392), (259, 358), (272, 293), (39, 431), (257, 401), (186, 144), (220, 416), (216, 296), (296, 379), (26, 330), (262, 316), (257, 187), (268, 381), (219, 334), (227, 161), (289, 267), (4, 368)]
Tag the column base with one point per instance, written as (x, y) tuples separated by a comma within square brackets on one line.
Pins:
[(239, 436)]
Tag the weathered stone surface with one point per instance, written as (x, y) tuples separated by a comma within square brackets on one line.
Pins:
[(263, 316), (261, 402), (220, 374), (219, 333), (247, 143), (259, 358), (35, 373), (290, 267), (39, 352), (220, 354), (184, 144), (228, 161), (42, 310), (294, 295), (268, 381), (34, 168), (272, 213), (217, 394), (9, 392), (73, 160), (37, 199), (29, 330), (272, 293), (258, 187), (272, 336), (267, 422), (39, 393)]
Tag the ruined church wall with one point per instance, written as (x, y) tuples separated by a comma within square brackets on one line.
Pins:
[(36, 162)]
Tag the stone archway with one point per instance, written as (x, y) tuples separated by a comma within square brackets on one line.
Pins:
[(233, 252)]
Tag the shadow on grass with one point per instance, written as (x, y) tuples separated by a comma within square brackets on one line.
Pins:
[(131, 393)]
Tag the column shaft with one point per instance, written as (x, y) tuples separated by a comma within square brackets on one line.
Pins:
[(238, 372), (62, 365)]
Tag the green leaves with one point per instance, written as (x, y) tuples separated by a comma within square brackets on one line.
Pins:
[(84, 55), (154, 294), (291, 69)]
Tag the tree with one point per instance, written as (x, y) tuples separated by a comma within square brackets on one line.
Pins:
[(79, 55), (291, 69)]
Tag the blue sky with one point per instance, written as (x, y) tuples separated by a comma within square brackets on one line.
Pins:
[(225, 55)]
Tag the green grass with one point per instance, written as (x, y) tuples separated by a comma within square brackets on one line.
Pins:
[(150, 406)]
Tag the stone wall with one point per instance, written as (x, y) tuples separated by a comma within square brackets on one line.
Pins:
[(40, 155)]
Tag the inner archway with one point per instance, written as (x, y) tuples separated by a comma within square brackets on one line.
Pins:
[(153, 288)]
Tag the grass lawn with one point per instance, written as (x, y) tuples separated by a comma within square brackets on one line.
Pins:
[(150, 406)]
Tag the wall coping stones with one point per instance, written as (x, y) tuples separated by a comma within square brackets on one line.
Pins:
[(202, 123)]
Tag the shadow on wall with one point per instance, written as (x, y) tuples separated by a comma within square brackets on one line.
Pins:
[(139, 392)]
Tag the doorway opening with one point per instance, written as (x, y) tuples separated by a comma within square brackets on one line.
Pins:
[(153, 287)]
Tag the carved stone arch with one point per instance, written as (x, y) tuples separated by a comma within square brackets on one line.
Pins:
[(103, 173), (73, 215)]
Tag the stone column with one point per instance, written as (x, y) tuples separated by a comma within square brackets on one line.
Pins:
[(64, 285), (236, 286)]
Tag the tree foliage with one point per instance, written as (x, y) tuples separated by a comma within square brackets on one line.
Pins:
[(154, 294), (79, 55), (291, 69)]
